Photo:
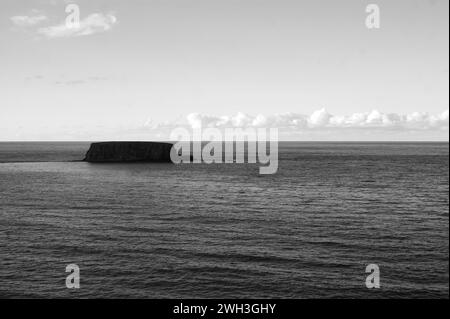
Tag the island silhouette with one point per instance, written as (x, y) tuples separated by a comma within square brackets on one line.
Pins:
[(129, 152)]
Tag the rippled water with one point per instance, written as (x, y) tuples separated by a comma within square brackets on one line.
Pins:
[(163, 230)]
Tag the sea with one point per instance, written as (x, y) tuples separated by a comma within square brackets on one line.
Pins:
[(155, 230)]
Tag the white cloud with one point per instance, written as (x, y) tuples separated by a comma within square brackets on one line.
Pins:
[(321, 119), (367, 126), (318, 126), (28, 21), (94, 23)]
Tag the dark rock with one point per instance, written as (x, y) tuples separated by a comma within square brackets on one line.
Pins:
[(118, 152)]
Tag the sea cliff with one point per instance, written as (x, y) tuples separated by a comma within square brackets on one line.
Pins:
[(118, 152)]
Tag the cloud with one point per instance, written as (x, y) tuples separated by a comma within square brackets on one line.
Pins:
[(28, 21), (71, 82), (318, 126), (89, 79), (321, 119), (94, 23)]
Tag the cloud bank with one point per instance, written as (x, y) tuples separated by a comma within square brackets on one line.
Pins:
[(318, 126), (321, 119), (28, 21), (94, 23)]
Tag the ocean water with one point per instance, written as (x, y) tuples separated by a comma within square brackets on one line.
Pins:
[(224, 231)]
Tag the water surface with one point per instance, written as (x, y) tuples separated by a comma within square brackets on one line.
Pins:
[(224, 231)]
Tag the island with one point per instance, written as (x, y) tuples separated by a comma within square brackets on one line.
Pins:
[(121, 152)]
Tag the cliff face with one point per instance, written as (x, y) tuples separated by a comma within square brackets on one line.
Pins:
[(110, 152)]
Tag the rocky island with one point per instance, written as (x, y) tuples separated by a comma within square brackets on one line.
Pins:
[(120, 152)]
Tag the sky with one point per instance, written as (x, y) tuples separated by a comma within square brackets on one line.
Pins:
[(137, 69)]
